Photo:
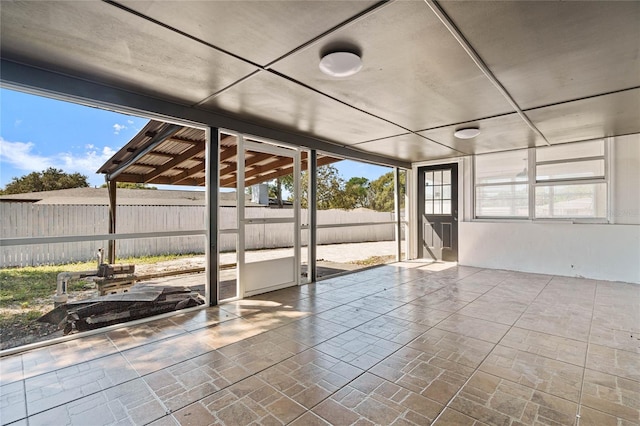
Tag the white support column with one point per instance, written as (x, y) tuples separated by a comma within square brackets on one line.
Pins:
[(296, 214), (240, 211), (398, 218), (313, 214)]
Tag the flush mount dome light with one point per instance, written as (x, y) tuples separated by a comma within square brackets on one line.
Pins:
[(340, 64), (467, 133)]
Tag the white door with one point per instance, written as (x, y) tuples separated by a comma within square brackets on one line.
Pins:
[(269, 238)]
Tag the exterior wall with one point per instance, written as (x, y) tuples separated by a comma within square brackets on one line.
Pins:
[(599, 251)]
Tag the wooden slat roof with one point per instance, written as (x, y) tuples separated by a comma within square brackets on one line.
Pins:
[(167, 154)]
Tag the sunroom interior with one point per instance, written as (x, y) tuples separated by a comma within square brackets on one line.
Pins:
[(523, 238)]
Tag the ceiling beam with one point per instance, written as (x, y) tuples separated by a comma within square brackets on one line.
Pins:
[(186, 174), (188, 154), (167, 132), (475, 57), (285, 171)]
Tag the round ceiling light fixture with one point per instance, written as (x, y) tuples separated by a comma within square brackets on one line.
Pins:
[(467, 133), (340, 64)]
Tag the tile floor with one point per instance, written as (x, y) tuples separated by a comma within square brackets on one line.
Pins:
[(400, 344)]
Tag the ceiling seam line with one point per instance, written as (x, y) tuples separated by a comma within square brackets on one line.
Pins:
[(227, 88), (584, 98), (274, 72), (374, 8), (303, 46), (356, 18), (182, 33), (475, 57)]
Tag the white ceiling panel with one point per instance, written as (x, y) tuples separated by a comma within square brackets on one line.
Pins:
[(99, 42), (408, 147), (415, 73), (501, 133), (573, 67), (269, 98), (260, 31), (545, 52), (608, 115)]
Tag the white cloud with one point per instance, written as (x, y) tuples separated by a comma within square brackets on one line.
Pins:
[(130, 122), (118, 127), (17, 122), (21, 156)]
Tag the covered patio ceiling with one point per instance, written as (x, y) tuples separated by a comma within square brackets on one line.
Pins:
[(170, 154), (527, 73)]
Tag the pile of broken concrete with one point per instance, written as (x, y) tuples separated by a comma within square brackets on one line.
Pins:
[(140, 301)]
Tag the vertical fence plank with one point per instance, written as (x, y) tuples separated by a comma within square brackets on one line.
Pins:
[(41, 220)]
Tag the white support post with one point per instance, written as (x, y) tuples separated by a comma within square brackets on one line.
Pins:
[(240, 212)]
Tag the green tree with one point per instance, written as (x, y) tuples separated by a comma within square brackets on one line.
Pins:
[(381, 192), (356, 193), (329, 188), (46, 180), (131, 185), (275, 190)]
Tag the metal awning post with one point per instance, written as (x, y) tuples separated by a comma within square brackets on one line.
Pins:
[(111, 189), (212, 187)]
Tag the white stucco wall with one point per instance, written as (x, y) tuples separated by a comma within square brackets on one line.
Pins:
[(626, 180), (600, 251), (606, 252)]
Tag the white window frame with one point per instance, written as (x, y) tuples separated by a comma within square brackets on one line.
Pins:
[(524, 182), (533, 183), (575, 181)]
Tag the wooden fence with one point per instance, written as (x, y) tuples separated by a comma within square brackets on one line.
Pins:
[(20, 220)]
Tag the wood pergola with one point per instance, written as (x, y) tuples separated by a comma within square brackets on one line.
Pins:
[(170, 154)]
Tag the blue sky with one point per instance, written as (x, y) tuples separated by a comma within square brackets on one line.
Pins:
[(37, 133)]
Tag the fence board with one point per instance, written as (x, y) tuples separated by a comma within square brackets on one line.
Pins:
[(21, 220)]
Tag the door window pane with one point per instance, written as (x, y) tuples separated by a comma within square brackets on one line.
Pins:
[(446, 177), (437, 177), (428, 207), (446, 192), (428, 178), (428, 192), (446, 206), (437, 207)]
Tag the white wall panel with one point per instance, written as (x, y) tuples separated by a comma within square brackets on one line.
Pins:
[(626, 180), (606, 252)]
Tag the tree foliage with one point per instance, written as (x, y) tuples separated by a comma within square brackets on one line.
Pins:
[(131, 185), (333, 192), (381, 192), (46, 180)]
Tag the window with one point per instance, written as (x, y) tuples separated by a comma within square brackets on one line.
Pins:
[(564, 181), (571, 181), (502, 185), (437, 192)]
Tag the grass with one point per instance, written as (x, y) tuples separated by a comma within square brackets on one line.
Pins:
[(374, 260), (23, 286)]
